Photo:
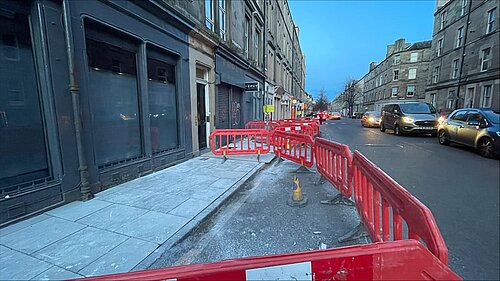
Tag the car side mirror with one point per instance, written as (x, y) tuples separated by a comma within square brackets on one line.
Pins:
[(473, 123)]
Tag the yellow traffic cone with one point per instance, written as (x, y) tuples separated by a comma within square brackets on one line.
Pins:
[(297, 199)]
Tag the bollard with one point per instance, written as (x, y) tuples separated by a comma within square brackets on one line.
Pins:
[(297, 199)]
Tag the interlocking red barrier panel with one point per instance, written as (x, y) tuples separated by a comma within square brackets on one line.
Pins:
[(396, 260), (270, 126), (240, 141), (315, 127), (298, 128), (298, 148), (333, 162), (377, 194)]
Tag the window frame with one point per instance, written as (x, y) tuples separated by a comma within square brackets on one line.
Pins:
[(209, 20), (415, 74), (392, 92), (435, 74), (485, 59), (460, 36), (443, 20), (483, 95), (455, 68), (395, 75), (416, 57), (413, 92), (490, 20), (221, 25), (439, 50), (464, 6)]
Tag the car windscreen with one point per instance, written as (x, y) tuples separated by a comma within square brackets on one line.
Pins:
[(375, 114), (417, 108), (493, 116)]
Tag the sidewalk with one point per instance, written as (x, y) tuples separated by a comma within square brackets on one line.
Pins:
[(126, 227)]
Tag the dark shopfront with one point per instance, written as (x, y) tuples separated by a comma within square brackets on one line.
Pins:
[(134, 98), (234, 106)]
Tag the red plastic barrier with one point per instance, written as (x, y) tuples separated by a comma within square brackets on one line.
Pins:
[(298, 148), (298, 128), (333, 161), (240, 141), (376, 193), (270, 126), (315, 127), (400, 260)]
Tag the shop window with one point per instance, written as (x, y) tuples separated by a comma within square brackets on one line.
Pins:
[(113, 93), (162, 101), (23, 155)]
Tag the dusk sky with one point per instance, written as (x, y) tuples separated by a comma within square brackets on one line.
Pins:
[(340, 38)]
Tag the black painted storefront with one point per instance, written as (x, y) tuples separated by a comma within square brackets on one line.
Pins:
[(132, 79)]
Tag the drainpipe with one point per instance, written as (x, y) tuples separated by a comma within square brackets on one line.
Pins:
[(85, 189), (463, 57)]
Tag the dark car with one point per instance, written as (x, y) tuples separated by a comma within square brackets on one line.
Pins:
[(474, 127), (409, 118), (370, 119)]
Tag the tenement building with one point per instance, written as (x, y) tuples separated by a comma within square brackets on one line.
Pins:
[(464, 70), (98, 92), (402, 75)]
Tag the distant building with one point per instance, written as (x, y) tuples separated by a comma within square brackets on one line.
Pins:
[(402, 75), (464, 70)]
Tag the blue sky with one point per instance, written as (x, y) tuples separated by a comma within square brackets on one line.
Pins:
[(341, 38)]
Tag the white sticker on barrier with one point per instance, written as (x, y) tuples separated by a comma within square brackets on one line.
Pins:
[(288, 129), (294, 271), (297, 128)]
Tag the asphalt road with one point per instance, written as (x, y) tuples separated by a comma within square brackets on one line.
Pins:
[(460, 187)]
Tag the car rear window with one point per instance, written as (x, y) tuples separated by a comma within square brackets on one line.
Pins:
[(493, 116)]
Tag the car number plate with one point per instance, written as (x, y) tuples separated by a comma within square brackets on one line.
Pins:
[(425, 128)]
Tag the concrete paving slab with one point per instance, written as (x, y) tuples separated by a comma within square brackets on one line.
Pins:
[(113, 217), (121, 259), (190, 208), (127, 196), (57, 273), (81, 248), (23, 224), (40, 235), (223, 183), (78, 209), (208, 194), (153, 226), (18, 266), (163, 203)]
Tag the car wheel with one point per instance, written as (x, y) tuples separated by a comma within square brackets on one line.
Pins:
[(397, 131), (485, 147), (382, 127), (442, 139)]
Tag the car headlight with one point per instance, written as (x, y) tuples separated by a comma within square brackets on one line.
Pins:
[(371, 119), (498, 134), (408, 120), (441, 119)]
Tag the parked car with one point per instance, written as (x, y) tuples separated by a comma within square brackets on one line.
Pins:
[(370, 119), (336, 115), (474, 127), (409, 118)]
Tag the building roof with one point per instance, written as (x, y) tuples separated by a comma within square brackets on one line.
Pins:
[(419, 45)]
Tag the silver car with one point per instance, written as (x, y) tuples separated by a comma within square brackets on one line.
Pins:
[(474, 127), (409, 118)]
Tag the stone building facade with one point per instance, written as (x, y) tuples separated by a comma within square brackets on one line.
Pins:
[(99, 92), (465, 58), (402, 75)]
